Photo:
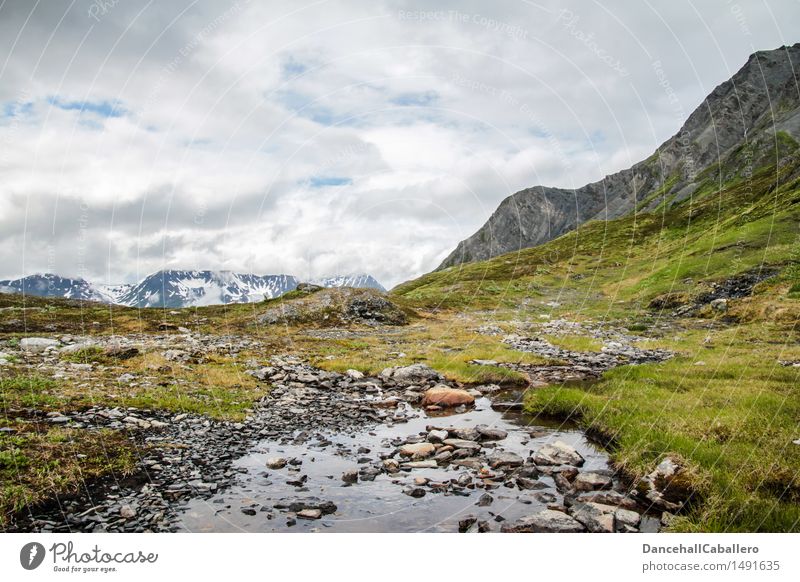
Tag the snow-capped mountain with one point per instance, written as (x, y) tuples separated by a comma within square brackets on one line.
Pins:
[(48, 285), (177, 288), (358, 280), (184, 288)]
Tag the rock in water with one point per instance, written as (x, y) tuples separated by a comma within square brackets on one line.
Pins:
[(596, 517), (417, 450), (592, 482), (503, 459), (350, 476), (547, 521), (558, 453), (276, 463), (309, 514), (445, 396)]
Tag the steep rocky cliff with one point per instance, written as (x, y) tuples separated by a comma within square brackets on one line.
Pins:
[(737, 129)]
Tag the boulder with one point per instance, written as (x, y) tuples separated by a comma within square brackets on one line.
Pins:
[(309, 514), (597, 518), (471, 446), (417, 450), (503, 459), (491, 434), (592, 482), (547, 521), (608, 498), (467, 434), (36, 345), (415, 373), (558, 453), (437, 436), (445, 396)]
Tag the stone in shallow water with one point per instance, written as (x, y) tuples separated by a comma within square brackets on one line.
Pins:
[(463, 444), (596, 517), (445, 396), (558, 453), (491, 434), (592, 482), (418, 450), (547, 521), (430, 464), (437, 436), (505, 459), (276, 463), (350, 476), (309, 514)]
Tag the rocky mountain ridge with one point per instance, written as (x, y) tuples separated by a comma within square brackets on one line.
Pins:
[(178, 288), (736, 129)]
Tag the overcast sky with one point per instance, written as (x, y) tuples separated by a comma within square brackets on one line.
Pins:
[(319, 138)]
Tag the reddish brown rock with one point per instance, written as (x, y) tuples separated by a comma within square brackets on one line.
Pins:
[(447, 397)]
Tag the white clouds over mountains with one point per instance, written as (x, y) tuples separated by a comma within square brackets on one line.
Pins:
[(326, 137)]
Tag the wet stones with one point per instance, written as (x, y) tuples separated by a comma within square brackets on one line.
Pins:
[(558, 453), (309, 514), (595, 517), (350, 477), (502, 459), (470, 446), (417, 450), (547, 521), (437, 436), (592, 481), (415, 492), (446, 397), (276, 462), (491, 434)]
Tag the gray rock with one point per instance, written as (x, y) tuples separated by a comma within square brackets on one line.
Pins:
[(595, 517), (37, 345), (491, 434), (463, 444), (592, 482), (415, 373), (547, 521), (558, 453), (503, 459), (437, 436)]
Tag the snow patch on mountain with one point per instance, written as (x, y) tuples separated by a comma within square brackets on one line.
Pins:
[(178, 288)]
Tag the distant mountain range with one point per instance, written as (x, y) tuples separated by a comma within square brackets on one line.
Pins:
[(177, 288), (739, 127)]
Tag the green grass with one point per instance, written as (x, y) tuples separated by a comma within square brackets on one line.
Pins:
[(29, 391), (733, 419), (36, 465)]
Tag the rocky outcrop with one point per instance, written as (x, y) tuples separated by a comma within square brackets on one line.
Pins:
[(720, 140)]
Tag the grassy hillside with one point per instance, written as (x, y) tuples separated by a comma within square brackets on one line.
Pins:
[(726, 404)]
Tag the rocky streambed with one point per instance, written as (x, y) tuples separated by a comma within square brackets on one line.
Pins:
[(403, 451)]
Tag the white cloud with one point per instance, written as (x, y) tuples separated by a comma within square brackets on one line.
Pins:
[(234, 115)]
